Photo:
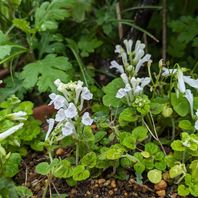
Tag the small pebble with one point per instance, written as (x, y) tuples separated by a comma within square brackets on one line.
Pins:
[(97, 196), (161, 193), (107, 183), (125, 194), (162, 185), (101, 181), (88, 193), (73, 191), (113, 183), (111, 192), (115, 189), (60, 151)]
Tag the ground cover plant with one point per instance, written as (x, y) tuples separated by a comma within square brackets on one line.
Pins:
[(118, 119)]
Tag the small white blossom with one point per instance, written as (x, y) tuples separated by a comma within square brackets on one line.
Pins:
[(168, 72), (138, 90), (78, 90), (58, 101), (145, 59), (86, 94), (50, 127), (125, 78), (18, 115), (128, 88), (71, 111), (128, 44), (121, 93), (68, 129), (118, 67), (191, 82), (60, 115), (189, 96), (180, 84), (118, 49), (145, 81), (86, 120), (10, 131)]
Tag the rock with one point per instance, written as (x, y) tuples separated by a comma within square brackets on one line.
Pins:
[(162, 185), (107, 183), (113, 183), (111, 192), (60, 151), (161, 193), (126, 194), (101, 181)]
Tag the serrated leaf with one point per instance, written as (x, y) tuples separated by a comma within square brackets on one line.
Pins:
[(89, 160), (176, 171), (23, 191), (44, 72), (140, 133), (79, 173), (183, 190), (110, 90), (186, 125), (43, 168)]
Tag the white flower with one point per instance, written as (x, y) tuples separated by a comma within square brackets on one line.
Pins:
[(146, 58), (78, 90), (115, 65), (86, 94), (57, 82), (188, 95), (18, 115), (58, 101), (168, 72), (196, 125), (128, 44), (10, 131), (71, 111), (138, 90), (50, 127), (68, 129), (181, 79), (124, 78), (60, 115), (118, 49), (145, 81), (86, 120), (121, 93)]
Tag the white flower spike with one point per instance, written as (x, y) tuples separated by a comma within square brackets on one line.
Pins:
[(86, 119), (10, 131), (18, 115), (58, 101)]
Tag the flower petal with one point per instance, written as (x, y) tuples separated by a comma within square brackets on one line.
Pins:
[(115, 65), (191, 82), (180, 85), (50, 127), (71, 111), (86, 120), (188, 95)]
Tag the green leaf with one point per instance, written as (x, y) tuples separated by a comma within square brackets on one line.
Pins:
[(127, 115), (186, 125), (194, 169), (176, 171), (79, 173), (88, 44), (154, 176), (177, 145), (26, 106), (43, 168), (100, 135), (180, 105), (44, 72), (140, 133), (62, 169), (49, 13), (156, 108), (129, 141), (151, 148), (23, 191), (89, 160), (183, 190), (139, 168), (110, 90), (11, 166)]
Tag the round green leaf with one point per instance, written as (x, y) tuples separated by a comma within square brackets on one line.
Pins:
[(154, 176)]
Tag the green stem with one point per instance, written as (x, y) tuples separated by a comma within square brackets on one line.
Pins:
[(77, 153)]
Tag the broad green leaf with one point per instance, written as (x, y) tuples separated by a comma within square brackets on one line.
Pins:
[(186, 125), (140, 133), (177, 145), (180, 105), (156, 108), (100, 135), (183, 190), (44, 72), (176, 171), (62, 169), (89, 160), (151, 148), (11, 166), (110, 90), (79, 173), (154, 176), (194, 169), (127, 115), (139, 168), (23, 191), (26, 106), (43, 168)]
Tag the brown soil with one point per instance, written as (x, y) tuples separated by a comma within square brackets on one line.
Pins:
[(94, 188)]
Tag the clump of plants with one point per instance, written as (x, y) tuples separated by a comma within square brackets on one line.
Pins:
[(151, 129)]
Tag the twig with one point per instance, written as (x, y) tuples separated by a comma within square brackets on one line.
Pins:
[(164, 31), (119, 17)]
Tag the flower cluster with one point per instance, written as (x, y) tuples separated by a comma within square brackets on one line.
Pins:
[(182, 80), (132, 61), (68, 106)]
